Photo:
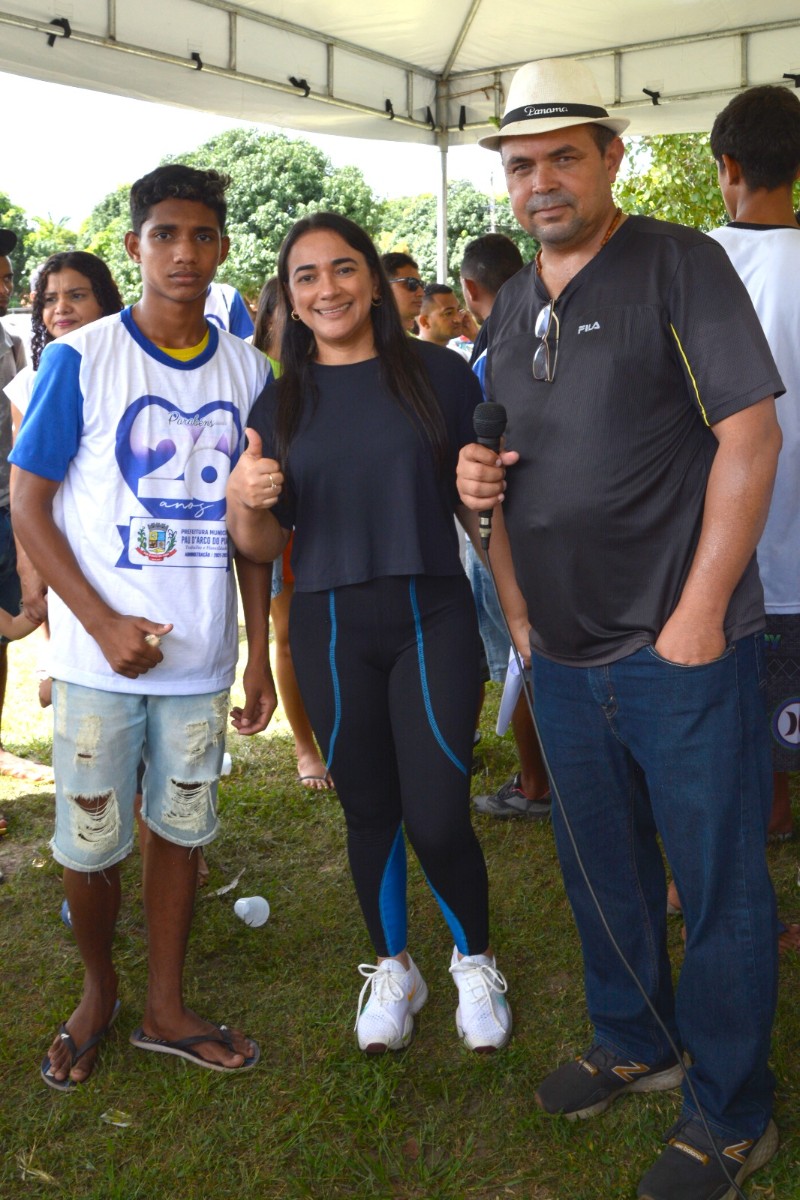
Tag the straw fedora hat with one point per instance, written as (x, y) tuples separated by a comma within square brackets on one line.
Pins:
[(552, 93)]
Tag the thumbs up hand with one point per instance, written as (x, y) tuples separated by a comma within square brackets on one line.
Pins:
[(255, 446), (256, 482)]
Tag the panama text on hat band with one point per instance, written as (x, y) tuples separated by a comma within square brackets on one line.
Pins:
[(532, 112)]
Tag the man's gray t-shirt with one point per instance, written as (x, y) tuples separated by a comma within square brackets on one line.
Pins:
[(658, 342)]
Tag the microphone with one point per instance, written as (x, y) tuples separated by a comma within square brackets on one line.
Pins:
[(489, 423)]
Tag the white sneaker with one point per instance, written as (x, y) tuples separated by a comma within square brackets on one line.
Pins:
[(483, 1018), (396, 994)]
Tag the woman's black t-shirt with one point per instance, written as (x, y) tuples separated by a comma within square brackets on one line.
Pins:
[(363, 491)]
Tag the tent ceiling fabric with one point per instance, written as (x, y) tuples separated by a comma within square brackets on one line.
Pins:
[(425, 59)]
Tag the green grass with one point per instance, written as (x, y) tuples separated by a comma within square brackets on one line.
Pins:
[(316, 1119)]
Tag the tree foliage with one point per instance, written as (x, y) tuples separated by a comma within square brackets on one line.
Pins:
[(673, 177), (12, 217), (38, 239), (103, 234), (410, 226), (275, 180), (47, 237)]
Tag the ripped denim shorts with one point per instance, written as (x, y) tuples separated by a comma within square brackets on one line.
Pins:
[(98, 741)]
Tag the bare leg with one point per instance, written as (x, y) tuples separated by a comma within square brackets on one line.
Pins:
[(534, 781), (310, 766), (45, 684), (405, 961), (780, 821), (93, 904), (12, 764), (481, 698), (402, 958), (169, 883), (789, 939), (146, 835)]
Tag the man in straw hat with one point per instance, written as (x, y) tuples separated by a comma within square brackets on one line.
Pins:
[(642, 450)]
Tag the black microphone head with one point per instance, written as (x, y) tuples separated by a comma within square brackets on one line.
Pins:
[(490, 421)]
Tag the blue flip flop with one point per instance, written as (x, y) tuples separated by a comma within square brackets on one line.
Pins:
[(76, 1053)]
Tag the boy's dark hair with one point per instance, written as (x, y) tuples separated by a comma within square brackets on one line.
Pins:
[(491, 260), (760, 129), (393, 261), (175, 181), (400, 365), (106, 292)]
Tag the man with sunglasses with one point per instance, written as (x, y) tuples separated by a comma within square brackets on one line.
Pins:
[(407, 287), (643, 446)]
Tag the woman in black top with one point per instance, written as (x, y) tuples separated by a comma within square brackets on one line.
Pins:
[(355, 448)]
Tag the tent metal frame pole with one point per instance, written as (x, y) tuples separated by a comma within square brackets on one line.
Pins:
[(443, 97), (237, 14), (310, 35), (106, 43), (441, 213), (685, 39)]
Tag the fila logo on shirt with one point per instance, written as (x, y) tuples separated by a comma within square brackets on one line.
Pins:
[(588, 328)]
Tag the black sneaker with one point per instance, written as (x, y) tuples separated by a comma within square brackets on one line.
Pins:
[(592, 1083), (689, 1169)]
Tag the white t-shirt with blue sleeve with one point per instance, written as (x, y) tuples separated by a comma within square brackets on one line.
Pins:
[(142, 445), (226, 308)]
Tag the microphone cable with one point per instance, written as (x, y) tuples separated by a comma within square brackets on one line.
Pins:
[(527, 687)]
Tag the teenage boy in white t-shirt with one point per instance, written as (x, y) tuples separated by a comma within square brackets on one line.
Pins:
[(119, 499)]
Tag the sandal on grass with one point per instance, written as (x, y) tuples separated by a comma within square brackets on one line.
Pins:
[(319, 783), (75, 1054), (185, 1048)]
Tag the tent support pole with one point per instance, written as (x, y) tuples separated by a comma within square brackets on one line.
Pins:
[(441, 213)]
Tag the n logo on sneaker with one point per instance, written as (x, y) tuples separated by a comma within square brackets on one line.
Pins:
[(630, 1071), (739, 1150)]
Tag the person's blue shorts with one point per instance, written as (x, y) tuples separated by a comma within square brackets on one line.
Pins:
[(98, 741), (10, 590)]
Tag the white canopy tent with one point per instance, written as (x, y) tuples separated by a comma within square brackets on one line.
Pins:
[(428, 71)]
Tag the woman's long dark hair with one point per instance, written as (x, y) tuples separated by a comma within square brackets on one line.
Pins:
[(106, 292), (400, 365)]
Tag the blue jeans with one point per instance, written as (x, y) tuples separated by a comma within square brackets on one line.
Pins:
[(99, 739), (642, 747), (494, 634)]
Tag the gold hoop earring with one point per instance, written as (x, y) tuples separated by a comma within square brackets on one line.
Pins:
[(295, 316), (377, 301)]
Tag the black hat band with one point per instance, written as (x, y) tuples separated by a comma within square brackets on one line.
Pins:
[(539, 112)]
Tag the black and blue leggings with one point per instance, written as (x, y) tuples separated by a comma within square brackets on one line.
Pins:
[(388, 672)]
